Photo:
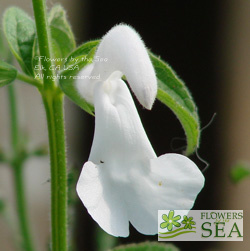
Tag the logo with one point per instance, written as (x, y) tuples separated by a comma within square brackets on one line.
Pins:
[(200, 225)]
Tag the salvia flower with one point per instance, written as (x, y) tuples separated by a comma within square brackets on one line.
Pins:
[(124, 181)]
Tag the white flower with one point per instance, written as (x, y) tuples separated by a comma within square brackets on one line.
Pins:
[(124, 181)]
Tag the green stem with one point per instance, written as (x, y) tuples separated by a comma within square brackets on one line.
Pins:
[(55, 119), (22, 208), (39, 7), (27, 79), (53, 102), (13, 119), (17, 164)]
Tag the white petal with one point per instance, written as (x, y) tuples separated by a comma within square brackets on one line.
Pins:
[(102, 201), (125, 52), (171, 181), (84, 85), (119, 134)]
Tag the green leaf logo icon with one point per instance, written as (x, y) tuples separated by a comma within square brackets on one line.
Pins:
[(188, 222), (170, 221)]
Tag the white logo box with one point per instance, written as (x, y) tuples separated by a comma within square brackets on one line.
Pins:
[(200, 225)]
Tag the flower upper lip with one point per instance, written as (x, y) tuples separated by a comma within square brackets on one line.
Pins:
[(127, 55)]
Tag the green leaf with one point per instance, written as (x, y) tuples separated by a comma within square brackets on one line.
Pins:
[(69, 75), (8, 73), (20, 32), (5, 54), (147, 246), (2, 156), (174, 94), (240, 171), (2, 46), (36, 63), (81, 51), (63, 41), (2, 205), (72, 178), (40, 151), (104, 241)]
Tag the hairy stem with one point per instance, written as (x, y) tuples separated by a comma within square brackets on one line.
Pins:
[(55, 120), (53, 102), (39, 7), (17, 165), (27, 79)]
